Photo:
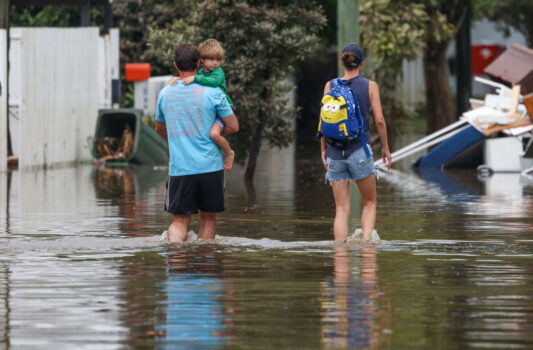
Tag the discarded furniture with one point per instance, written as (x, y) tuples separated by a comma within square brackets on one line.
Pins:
[(492, 135), (514, 66)]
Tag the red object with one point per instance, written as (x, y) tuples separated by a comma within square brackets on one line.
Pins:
[(483, 55), (137, 71)]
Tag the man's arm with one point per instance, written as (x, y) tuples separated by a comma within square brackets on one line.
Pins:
[(215, 79), (161, 129), (231, 124)]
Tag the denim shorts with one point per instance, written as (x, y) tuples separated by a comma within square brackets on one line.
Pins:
[(356, 167)]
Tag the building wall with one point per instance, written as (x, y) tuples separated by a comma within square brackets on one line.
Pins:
[(3, 100), (59, 77)]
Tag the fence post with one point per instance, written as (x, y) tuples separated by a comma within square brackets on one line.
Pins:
[(4, 40), (347, 26)]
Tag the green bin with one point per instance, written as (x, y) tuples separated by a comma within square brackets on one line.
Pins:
[(148, 147)]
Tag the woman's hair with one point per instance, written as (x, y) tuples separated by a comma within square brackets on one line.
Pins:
[(211, 49), (349, 61)]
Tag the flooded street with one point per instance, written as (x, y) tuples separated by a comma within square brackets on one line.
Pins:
[(82, 267)]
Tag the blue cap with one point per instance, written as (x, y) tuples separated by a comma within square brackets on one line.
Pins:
[(357, 51)]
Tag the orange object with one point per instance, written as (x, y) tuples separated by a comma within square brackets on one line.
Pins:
[(528, 102), (137, 71)]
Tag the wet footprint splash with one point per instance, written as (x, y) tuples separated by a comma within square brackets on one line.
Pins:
[(357, 238), (191, 236), (266, 243)]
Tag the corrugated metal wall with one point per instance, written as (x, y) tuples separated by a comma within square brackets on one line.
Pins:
[(59, 77), (3, 100)]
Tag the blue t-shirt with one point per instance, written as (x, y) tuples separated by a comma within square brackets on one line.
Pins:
[(189, 113)]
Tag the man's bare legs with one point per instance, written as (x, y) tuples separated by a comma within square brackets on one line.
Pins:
[(367, 187), (177, 231), (216, 135), (341, 192), (207, 225)]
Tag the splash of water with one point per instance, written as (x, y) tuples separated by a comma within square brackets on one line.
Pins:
[(357, 237), (266, 243)]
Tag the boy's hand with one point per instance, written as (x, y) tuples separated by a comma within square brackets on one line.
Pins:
[(188, 80), (174, 81)]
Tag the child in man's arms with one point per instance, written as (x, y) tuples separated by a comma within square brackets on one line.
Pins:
[(211, 54)]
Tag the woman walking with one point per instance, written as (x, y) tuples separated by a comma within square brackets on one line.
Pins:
[(350, 161)]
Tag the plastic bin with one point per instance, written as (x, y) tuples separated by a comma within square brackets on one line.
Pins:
[(148, 147)]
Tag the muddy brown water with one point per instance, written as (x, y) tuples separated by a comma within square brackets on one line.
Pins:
[(82, 267)]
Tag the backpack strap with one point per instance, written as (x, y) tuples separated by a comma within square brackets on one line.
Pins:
[(338, 81), (360, 120)]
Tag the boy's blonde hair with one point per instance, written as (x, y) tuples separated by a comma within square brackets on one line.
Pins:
[(211, 49)]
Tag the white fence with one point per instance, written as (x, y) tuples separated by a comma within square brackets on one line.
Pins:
[(412, 90), (58, 79), (3, 100)]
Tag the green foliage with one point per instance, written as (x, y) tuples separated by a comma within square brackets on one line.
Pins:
[(328, 34), (135, 20), (44, 16), (391, 31), (128, 97), (397, 30), (262, 39), (517, 14), (149, 120)]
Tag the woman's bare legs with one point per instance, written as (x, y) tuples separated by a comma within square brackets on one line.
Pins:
[(341, 192), (367, 187)]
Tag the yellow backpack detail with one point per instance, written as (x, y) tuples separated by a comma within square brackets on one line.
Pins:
[(334, 113)]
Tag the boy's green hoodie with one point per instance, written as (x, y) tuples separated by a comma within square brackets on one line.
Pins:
[(215, 78)]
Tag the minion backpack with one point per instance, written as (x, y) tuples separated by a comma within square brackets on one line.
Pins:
[(340, 118)]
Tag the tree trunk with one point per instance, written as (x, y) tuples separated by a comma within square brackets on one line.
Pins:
[(254, 150), (439, 107), (250, 192), (258, 133)]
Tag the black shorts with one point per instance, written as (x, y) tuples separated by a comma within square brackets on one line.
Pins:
[(189, 193)]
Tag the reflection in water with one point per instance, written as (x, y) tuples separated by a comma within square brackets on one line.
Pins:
[(129, 189), (84, 201), (195, 317), (4, 305), (350, 304), (454, 270)]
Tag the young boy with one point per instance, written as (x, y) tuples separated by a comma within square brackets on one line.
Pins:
[(211, 54)]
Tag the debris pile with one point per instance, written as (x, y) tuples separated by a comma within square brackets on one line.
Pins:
[(508, 112), (111, 148)]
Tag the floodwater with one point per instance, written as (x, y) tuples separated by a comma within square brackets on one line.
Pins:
[(82, 267)]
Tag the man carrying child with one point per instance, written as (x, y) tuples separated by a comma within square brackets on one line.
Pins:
[(211, 55), (185, 115)]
